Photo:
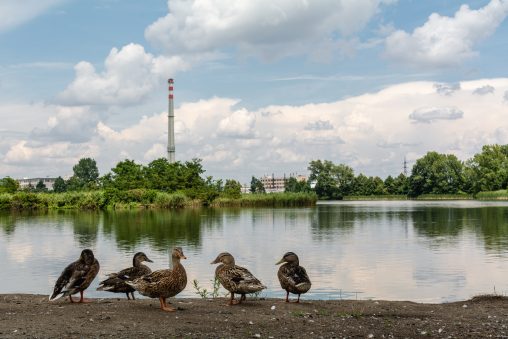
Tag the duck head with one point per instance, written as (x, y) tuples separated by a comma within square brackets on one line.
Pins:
[(87, 257), (290, 258), (225, 258), (177, 253), (139, 258)]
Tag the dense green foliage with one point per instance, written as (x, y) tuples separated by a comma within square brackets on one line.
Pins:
[(161, 184), (436, 173), (268, 200), (332, 181), (8, 185), (256, 186)]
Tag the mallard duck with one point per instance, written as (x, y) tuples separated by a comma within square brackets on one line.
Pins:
[(76, 277), (293, 277), (116, 281), (163, 284), (234, 278)]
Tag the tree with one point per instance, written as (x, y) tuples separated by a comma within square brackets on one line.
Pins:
[(488, 170), (8, 185), (294, 185), (401, 184), (256, 186), (41, 187), (232, 189), (436, 173), (59, 185), (332, 181), (127, 175), (85, 175)]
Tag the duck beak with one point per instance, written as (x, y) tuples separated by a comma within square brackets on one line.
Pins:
[(148, 260), (280, 261), (214, 262), (183, 257)]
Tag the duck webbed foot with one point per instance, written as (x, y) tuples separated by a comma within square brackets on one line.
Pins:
[(165, 307)]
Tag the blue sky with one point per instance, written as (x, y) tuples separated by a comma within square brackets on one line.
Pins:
[(261, 87)]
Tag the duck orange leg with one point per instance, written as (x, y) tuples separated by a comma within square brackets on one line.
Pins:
[(287, 296), (232, 301), (165, 306), (83, 300)]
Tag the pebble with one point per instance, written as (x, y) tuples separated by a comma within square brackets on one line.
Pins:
[(272, 308)]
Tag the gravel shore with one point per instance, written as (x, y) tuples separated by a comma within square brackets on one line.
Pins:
[(32, 316)]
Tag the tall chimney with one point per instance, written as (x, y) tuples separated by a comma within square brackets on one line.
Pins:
[(171, 124)]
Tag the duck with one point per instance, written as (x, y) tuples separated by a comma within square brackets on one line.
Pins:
[(292, 277), (76, 277), (163, 284), (235, 279), (116, 281)]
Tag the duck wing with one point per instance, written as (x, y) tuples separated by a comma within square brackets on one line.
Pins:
[(68, 275), (243, 281), (294, 278)]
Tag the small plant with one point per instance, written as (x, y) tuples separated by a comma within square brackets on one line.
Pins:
[(203, 292), (216, 287)]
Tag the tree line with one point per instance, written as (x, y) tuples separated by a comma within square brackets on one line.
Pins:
[(434, 173)]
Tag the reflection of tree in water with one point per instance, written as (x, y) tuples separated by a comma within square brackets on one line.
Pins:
[(85, 225), (8, 222), (161, 228), (439, 221), (326, 220), (493, 228), (488, 223)]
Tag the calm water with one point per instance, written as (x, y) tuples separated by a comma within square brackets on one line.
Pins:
[(418, 251)]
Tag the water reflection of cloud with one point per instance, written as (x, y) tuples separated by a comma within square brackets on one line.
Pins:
[(379, 249)]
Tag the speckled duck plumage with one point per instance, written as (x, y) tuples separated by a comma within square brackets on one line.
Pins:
[(293, 278), (116, 282), (235, 279), (76, 277)]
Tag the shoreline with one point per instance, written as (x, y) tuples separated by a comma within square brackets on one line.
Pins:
[(28, 315)]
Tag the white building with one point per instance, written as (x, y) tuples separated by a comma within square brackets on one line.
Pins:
[(32, 182), (277, 184)]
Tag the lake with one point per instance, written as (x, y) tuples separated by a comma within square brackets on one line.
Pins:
[(391, 250)]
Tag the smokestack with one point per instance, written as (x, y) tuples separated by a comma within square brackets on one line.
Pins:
[(171, 124)]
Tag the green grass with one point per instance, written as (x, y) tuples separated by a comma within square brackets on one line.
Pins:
[(268, 200), (376, 197), (142, 198), (491, 195), (460, 196)]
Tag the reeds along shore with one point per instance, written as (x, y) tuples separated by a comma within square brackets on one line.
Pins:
[(143, 198)]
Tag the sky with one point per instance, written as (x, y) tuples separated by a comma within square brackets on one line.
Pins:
[(261, 87)]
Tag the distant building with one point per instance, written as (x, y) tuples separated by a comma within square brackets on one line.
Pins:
[(32, 182), (277, 184)]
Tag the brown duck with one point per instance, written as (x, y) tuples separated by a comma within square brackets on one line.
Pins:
[(76, 277), (163, 284), (234, 278), (116, 282), (292, 277)]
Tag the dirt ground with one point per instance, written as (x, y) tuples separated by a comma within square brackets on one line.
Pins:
[(32, 316)]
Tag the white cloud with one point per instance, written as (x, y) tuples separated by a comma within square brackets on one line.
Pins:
[(363, 131), (74, 124), (487, 89), (15, 13), (240, 124), (431, 114), (130, 75), (265, 28), (319, 125), (446, 41), (447, 89)]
